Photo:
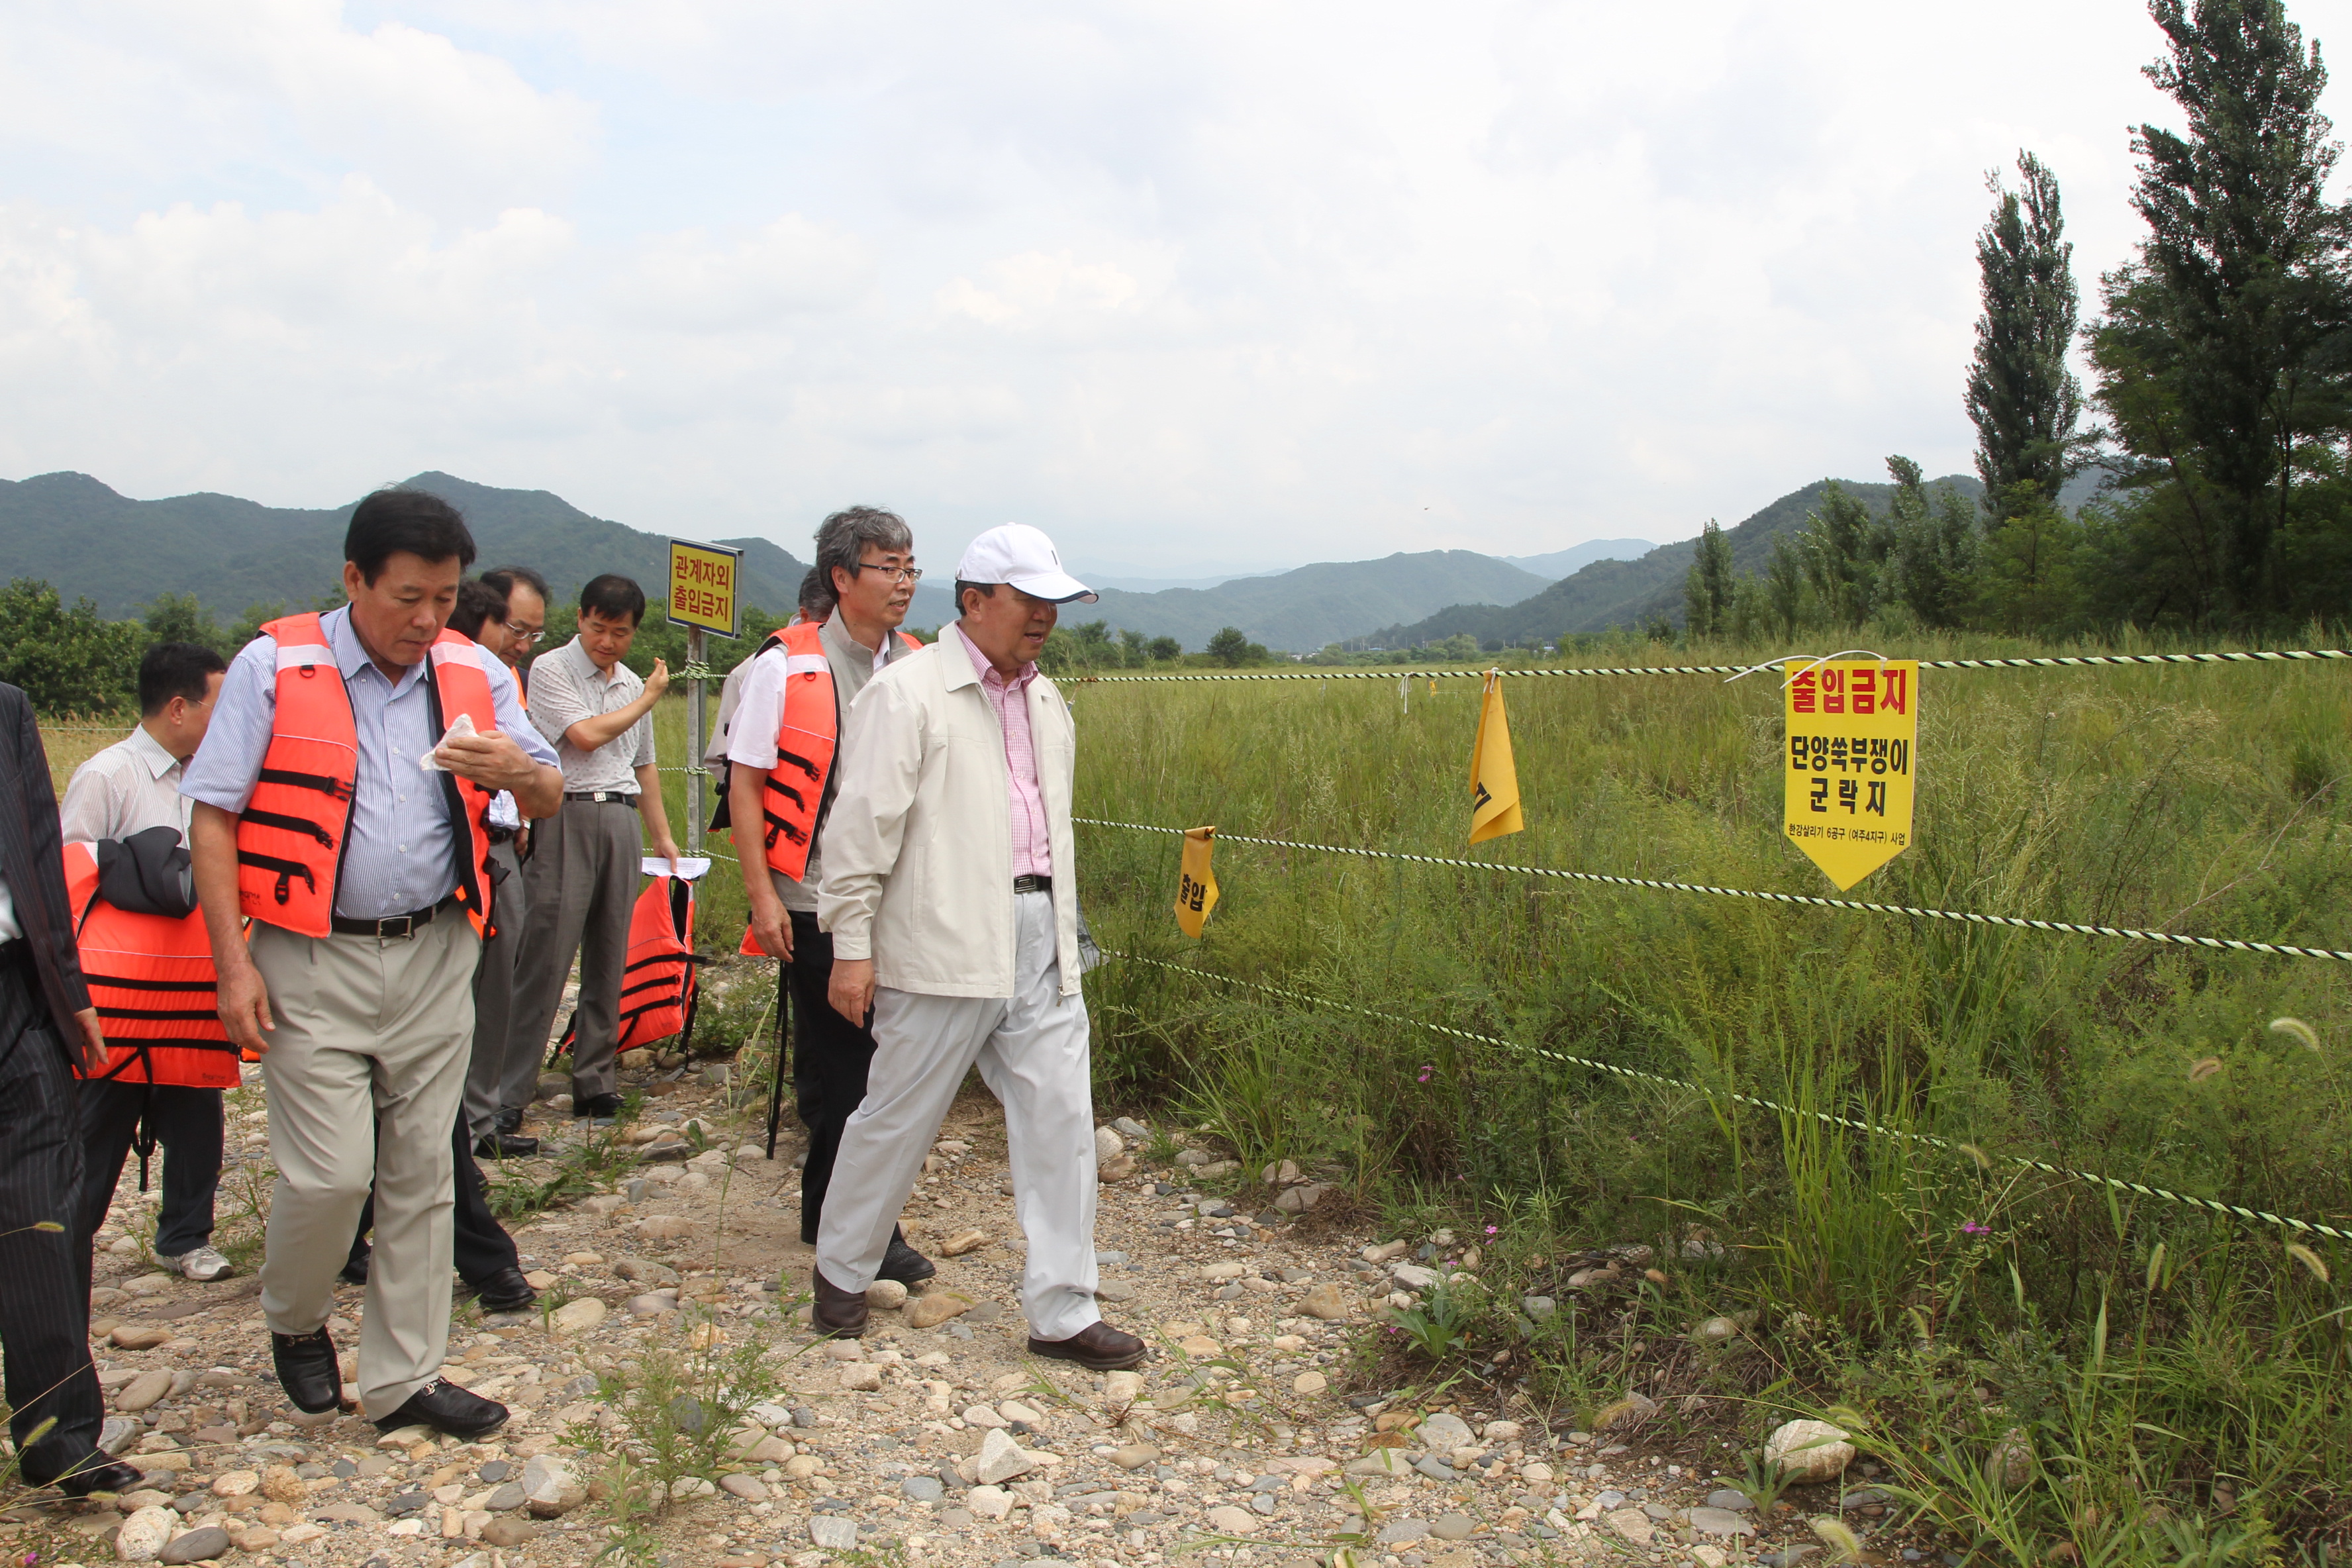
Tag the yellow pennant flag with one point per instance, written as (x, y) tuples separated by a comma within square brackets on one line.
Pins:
[(1196, 890), (1493, 781)]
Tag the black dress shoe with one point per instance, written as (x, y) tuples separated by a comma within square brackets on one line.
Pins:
[(835, 1311), (602, 1109), (505, 1291), (505, 1146), (354, 1271), (509, 1122), (307, 1370), (1097, 1345), (445, 1407), (97, 1474), (903, 1263)]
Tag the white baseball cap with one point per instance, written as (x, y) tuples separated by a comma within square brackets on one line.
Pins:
[(1017, 553)]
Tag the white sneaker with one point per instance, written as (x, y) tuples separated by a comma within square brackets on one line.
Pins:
[(203, 1264)]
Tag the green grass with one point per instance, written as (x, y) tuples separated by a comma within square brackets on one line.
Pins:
[(1884, 1273)]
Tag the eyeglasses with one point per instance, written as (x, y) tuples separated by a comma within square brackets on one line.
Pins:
[(897, 573), (524, 637)]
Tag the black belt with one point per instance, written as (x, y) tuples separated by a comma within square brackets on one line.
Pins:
[(1033, 883), (602, 797), (389, 928)]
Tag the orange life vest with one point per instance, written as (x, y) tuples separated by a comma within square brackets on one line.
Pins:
[(659, 989), (152, 980), (806, 738), (290, 836)]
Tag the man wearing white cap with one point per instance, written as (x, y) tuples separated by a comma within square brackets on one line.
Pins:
[(951, 896)]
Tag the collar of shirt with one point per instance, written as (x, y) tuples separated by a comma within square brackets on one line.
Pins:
[(351, 655), (983, 668), (150, 751), (834, 635), (585, 667)]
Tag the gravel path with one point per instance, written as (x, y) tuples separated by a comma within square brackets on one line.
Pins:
[(943, 1443)]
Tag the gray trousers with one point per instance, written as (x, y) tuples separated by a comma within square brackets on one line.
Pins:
[(1032, 1053), (365, 1070), (583, 882), (502, 1077)]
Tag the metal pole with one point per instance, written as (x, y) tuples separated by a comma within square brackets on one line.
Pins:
[(694, 771)]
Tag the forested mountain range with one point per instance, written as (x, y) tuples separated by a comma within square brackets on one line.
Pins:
[(86, 541)]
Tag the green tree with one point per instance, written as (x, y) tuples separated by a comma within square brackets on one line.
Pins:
[(1935, 557), (1132, 648), (1784, 585), (2221, 356), (2021, 397), (182, 617), (1841, 549), (1459, 648), (1707, 590), (1230, 648), (2030, 558), (1167, 649), (67, 660)]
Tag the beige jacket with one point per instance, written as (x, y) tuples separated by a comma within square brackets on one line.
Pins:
[(918, 848)]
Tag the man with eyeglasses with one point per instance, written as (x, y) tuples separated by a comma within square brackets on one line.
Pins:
[(781, 740)]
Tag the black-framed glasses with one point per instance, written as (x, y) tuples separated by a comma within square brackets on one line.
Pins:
[(897, 573), (523, 636)]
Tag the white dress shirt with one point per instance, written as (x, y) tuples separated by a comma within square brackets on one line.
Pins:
[(132, 785)]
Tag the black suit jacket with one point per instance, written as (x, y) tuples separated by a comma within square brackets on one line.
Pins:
[(32, 857)]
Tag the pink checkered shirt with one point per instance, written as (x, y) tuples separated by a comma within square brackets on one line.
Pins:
[(1032, 851)]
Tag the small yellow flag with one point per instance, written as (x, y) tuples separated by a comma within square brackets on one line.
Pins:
[(1493, 781), (1196, 891)]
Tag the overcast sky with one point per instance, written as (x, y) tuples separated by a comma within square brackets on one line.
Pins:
[(1192, 286)]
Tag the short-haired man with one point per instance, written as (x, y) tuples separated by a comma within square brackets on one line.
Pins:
[(583, 872), (951, 891), (781, 741), (172, 1086), (322, 815)]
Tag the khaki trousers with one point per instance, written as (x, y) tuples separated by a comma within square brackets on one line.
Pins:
[(365, 1070), (1032, 1049)]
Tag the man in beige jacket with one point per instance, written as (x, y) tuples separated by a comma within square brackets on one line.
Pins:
[(950, 892)]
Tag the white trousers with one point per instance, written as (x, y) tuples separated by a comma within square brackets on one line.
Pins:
[(1031, 1051)]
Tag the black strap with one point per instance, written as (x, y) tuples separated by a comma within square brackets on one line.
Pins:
[(319, 781), (287, 871), (802, 763), (788, 792), (302, 825), (778, 825)]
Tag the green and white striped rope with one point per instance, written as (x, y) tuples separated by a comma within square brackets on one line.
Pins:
[(2072, 927), (2094, 1178), (2054, 661)]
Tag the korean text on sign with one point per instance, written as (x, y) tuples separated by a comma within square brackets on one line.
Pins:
[(703, 579), (1850, 762)]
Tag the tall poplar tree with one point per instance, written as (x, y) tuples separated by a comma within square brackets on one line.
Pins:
[(2222, 354), (2024, 402)]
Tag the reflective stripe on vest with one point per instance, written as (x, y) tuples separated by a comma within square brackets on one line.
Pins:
[(807, 735), (291, 834), (152, 980)]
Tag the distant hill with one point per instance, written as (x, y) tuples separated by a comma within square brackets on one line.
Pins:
[(1325, 603), (1559, 563), (87, 540), (1627, 593)]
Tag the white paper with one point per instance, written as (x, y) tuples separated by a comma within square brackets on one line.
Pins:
[(689, 866), (464, 726)]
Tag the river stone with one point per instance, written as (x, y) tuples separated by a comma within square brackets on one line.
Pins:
[(574, 1317), (643, 1271), (1455, 1527), (832, 1533), (1442, 1433), (923, 1488), (203, 1545), (1809, 1450), (1325, 1301), (1720, 1521), (936, 1307), (886, 1294), (144, 1534), (1001, 1458), (1725, 1498), (139, 1336), (749, 1487), (508, 1533), (1230, 1521), (148, 1388), (1122, 1388), (1134, 1455)]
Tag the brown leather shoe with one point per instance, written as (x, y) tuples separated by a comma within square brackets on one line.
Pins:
[(1099, 1345), (835, 1311)]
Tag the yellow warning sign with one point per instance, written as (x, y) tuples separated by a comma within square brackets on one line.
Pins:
[(1852, 756), (703, 579), (1196, 890)]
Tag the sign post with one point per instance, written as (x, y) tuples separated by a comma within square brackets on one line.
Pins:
[(1851, 761), (703, 580)]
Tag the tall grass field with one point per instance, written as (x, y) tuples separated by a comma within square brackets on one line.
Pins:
[(2041, 1363)]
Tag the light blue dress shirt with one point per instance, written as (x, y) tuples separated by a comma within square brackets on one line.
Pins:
[(399, 854)]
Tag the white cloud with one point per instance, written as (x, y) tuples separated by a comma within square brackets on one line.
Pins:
[(1217, 281)]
